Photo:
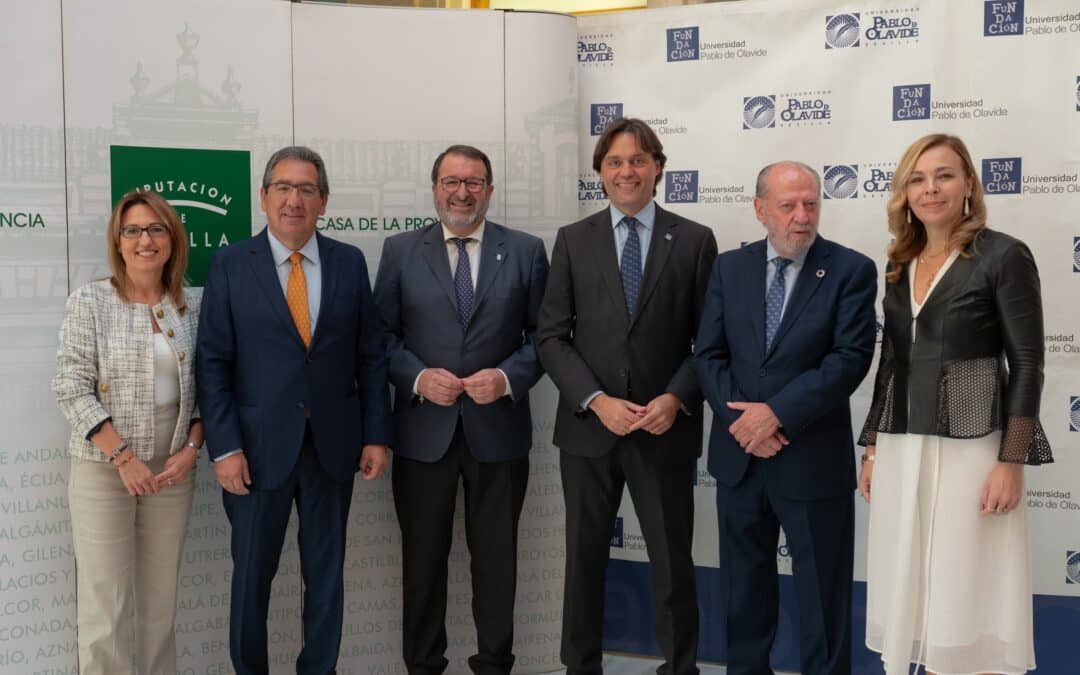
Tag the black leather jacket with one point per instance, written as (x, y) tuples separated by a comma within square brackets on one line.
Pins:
[(977, 363)]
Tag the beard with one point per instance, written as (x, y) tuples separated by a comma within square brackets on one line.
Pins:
[(458, 221)]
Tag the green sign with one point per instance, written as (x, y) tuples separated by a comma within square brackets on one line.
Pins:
[(210, 189)]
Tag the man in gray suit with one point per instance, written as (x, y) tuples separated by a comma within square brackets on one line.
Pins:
[(616, 332), (459, 302)]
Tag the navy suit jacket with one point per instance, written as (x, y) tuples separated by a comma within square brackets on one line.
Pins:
[(414, 291), (820, 354), (259, 386)]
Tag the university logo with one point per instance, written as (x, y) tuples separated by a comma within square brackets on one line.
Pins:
[(601, 115), (617, 535), (593, 49), (841, 181), (842, 31), (1003, 17), (681, 187), (759, 112), (1076, 254), (1072, 567), (880, 180), (911, 102), (1074, 413), (210, 189), (879, 330), (1001, 175), (590, 189), (683, 44)]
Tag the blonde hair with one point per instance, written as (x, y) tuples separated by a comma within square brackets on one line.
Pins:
[(172, 275), (909, 233)]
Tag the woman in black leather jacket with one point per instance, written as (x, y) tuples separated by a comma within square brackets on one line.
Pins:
[(954, 419)]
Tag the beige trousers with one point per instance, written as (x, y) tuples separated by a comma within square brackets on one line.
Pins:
[(127, 559)]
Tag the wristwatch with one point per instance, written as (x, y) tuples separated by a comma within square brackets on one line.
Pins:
[(191, 445)]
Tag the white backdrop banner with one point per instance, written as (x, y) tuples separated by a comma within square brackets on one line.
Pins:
[(845, 87), (189, 99)]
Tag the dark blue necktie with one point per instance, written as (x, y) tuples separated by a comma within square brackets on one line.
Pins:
[(463, 282), (774, 301), (630, 265)]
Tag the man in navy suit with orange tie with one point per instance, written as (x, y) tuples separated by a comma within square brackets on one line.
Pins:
[(786, 336), (459, 301), (293, 392)]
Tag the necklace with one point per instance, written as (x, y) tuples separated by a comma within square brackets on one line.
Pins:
[(923, 256)]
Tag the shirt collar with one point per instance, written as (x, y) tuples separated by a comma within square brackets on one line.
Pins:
[(646, 216), (477, 234), (281, 252), (771, 253)]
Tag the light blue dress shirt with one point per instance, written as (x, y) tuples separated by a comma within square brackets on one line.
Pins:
[(791, 273), (312, 271), (647, 218)]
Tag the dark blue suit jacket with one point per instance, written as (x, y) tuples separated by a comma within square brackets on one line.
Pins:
[(258, 385), (414, 291), (821, 352)]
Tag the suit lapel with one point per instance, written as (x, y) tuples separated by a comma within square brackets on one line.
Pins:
[(439, 261), (262, 266), (753, 261), (492, 256), (665, 231), (603, 247), (329, 272), (814, 270)]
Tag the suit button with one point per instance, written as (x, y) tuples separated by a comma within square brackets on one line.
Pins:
[(300, 405), (103, 387), (622, 373), (180, 356), (761, 373), (169, 332), (160, 314), (310, 358)]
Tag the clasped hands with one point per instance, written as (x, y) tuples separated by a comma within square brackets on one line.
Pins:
[(757, 430), (442, 387), (622, 417)]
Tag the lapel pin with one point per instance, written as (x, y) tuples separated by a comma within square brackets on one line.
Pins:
[(667, 236), (498, 256), (821, 274)]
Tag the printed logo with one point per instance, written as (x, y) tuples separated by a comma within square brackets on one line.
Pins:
[(1003, 18), (681, 187), (208, 188), (603, 114), (590, 188), (879, 329), (841, 181), (892, 29), (683, 44), (1001, 175), (911, 102), (595, 50), (759, 112), (1072, 567), (1074, 413), (1076, 254), (842, 31), (617, 535), (879, 182)]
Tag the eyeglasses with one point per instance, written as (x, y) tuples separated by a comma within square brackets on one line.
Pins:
[(156, 231), (283, 188), (452, 183)]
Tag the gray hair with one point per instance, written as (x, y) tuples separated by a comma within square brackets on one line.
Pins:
[(761, 187), (303, 154)]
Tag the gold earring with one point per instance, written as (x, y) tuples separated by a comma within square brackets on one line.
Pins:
[(909, 215)]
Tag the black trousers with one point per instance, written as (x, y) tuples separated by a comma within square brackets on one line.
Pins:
[(820, 539), (663, 495), (424, 497)]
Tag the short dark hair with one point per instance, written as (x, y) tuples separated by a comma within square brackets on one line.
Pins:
[(465, 151), (646, 138), (303, 154)]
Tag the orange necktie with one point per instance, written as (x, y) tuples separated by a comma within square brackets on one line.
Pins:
[(296, 297)]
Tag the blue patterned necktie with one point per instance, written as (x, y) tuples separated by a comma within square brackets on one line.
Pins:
[(774, 301), (630, 265), (463, 282)]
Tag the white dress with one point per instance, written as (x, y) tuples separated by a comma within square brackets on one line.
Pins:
[(947, 587)]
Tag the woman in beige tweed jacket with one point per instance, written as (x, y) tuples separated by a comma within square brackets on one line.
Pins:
[(125, 382)]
